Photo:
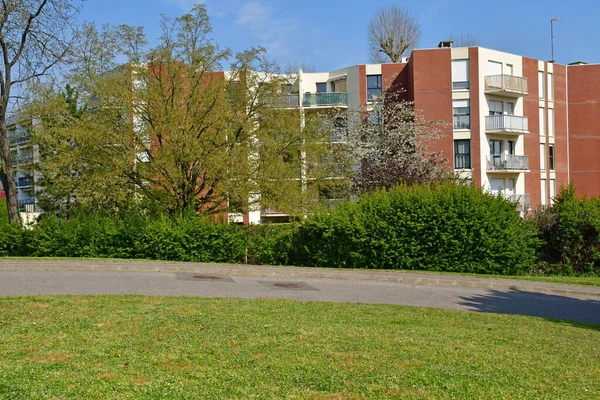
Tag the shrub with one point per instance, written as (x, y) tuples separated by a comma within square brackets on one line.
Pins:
[(570, 231), (448, 227)]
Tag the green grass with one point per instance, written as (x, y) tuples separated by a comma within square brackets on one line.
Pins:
[(181, 348)]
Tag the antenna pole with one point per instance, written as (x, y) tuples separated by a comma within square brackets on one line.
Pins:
[(552, 21)]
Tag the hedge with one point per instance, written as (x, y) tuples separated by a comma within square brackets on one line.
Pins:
[(445, 228)]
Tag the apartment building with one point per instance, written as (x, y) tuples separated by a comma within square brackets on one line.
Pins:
[(23, 153), (515, 126)]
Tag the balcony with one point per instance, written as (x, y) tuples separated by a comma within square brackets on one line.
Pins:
[(509, 124), (25, 182), (272, 212), (29, 206), (521, 199), (506, 85), (286, 101), (325, 99), (507, 163), (19, 139)]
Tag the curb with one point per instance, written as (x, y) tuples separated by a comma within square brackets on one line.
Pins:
[(300, 272)]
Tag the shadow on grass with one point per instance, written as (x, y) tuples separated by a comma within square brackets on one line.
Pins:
[(538, 305)]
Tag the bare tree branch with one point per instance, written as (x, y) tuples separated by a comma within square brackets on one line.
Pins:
[(393, 31)]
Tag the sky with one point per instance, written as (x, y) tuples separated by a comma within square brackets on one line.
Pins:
[(331, 34)]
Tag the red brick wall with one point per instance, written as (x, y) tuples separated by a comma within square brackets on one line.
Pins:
[(395, 78), (532, 140), (362, 85), (584, 127), (561, 150), (432, 93)]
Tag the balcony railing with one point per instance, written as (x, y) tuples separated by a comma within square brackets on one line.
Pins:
[(24, 182), (507, 162), (325, 99), (273, 212), (508, 85), (521, 199), (19, 139), (286, 101), (29, 206), (506, 124)]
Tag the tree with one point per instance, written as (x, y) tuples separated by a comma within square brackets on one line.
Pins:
[(392, 146), (392, 32), (35, 35), (174, 133), (464, 40)]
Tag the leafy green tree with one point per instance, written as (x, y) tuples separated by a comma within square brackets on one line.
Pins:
[(173, 132), (35, 35)]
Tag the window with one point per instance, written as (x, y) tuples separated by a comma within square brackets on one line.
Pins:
[(511, 147), (542, 156), (462, 154), (541, 119), (374, 117), (541, 84), (552, 190), (373, 87), (509, 109), (550, 87), (332, 87), (461, 112), (321, 87), (543, 192), (496, 151), (460, 74), (494, 68), (551, 157), (496, 147), (550, 122), (509, 69), (495, 107)]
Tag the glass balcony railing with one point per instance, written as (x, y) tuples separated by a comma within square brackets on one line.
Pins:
[(285, 101), (507, 124), (521, 199), (507, 162), (325, 99)]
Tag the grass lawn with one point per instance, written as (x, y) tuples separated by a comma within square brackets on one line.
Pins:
[(183, 348)]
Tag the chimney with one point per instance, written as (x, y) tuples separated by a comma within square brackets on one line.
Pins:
[(445, 44)]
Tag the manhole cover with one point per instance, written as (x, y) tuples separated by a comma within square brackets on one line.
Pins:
[(288, 285), (204, 277), (207, 277)]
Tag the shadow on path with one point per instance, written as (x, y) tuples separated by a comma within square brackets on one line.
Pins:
[(537, 305)]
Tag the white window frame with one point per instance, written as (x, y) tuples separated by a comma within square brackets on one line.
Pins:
[(460, 74), (550, 87), (541, 84), (542, 120), (550, 122), (543, 192), (543, 156)]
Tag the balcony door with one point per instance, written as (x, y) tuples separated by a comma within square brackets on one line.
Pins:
[(497, 186), (496, 150)]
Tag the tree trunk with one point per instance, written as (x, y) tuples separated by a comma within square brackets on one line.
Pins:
[(8, 178)]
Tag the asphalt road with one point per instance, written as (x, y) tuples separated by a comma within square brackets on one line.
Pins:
[(208, 280)]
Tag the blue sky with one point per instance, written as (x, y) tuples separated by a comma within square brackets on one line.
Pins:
[(330, 34)]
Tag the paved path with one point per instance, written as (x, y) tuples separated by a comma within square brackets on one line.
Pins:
[(25, 277)]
